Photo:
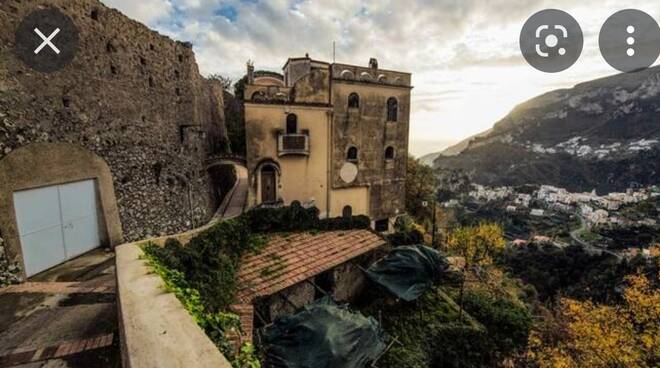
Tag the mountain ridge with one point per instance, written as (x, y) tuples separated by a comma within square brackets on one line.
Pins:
[(598, 134)]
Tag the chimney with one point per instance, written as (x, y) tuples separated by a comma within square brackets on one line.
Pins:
[(373, 63), (250, 72)]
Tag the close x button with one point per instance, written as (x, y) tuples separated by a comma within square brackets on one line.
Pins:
[(46, 40)]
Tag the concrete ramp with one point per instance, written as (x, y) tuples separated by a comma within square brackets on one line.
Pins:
[(234, 203)]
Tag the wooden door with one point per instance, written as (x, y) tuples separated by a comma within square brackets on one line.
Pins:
[(268, 185)]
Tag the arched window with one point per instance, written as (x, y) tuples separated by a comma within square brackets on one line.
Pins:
[(353, 100), (352, 154), (291, 124), (389, 153), (392, 109), (258, 96), (347, 212)]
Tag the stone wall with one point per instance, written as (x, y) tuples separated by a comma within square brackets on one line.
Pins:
[(367, 129), (288, 301), (10, 273), (349, 282), (133, 97)]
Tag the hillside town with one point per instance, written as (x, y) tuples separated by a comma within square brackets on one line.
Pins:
[(596, 209), (611, 210)]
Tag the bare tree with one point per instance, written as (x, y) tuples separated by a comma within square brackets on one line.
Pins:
[(226, 82)]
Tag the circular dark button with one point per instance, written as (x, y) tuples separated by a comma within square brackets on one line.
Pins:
[(46, 40), (551, 40), (630, 40)]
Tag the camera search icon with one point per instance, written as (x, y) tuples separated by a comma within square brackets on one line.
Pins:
[(551, 40)]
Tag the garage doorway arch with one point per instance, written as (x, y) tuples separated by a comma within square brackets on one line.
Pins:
[(56, 165)]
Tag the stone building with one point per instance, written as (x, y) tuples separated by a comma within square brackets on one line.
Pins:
[(330, 135), (116, 140)]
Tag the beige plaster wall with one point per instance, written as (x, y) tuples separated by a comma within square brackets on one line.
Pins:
[(156, 330), (301, 178), (356, 197)]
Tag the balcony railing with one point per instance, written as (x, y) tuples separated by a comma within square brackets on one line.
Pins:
[(293, 144)]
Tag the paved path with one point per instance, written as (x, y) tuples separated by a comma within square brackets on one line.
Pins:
[(65, 317), (237, 197), (591, 249)]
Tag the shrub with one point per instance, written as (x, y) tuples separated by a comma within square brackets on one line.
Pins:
[(508, 323), (407, 232), (282, 219), (426, 331), (298, 218), (345, 223), (411, 237), (210, 261)]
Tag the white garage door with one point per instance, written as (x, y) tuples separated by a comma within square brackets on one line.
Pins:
[(56, 223)]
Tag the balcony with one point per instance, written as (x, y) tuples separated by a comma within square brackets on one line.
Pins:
[(293, 144)]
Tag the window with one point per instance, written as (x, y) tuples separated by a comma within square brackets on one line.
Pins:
[(258, 96), (291, 124), (347, 212), (353, 100), (392, 109), (389, 153), (352, 154)]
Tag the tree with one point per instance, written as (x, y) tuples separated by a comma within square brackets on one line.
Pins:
[(603, 336), (477, 245), (508, 322), (420, 187), (225, 81)]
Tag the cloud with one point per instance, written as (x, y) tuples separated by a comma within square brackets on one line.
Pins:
[(145, 11), (464, 55), (467, 57)]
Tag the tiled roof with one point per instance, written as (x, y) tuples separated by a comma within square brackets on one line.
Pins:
[(289, 259), (245, 313)]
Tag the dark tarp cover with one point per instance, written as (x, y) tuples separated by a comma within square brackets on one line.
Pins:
[(409, 271), (323, 335)]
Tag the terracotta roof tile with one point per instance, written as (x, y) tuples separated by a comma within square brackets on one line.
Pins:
[(288, 260)]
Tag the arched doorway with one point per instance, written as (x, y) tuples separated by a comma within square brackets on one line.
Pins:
[(58, 201), (268, 184), (347, 212)]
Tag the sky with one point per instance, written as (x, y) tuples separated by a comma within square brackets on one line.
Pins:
[(467, 68)]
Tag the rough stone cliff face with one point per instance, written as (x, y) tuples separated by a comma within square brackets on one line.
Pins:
[(9, 271), (131, 96), (602, 134)]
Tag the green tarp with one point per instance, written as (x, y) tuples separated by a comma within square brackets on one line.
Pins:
[(323, 335), (409, 271)]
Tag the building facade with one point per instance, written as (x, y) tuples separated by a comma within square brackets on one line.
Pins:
[(330, 135)]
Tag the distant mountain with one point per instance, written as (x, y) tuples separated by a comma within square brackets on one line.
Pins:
[(603, 135), (429, 158), (462, 145), (429, 145)]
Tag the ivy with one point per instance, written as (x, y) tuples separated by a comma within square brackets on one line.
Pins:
[(216, 325)]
